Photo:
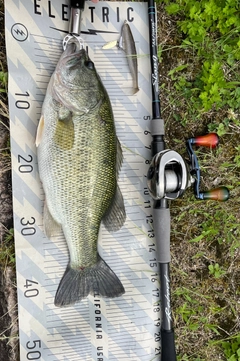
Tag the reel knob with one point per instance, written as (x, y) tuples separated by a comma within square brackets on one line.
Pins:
[(210, 140), (220, 194)]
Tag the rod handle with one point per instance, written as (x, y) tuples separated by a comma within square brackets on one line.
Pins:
[(161, 219), (210, 140), (220, 194), (168, 346)]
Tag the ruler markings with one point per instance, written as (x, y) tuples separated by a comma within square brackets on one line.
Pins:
[(59, 243), (44, 62), (66, 332), (43, 75), (42, 82), (48, 37), (55, 59), (50, 51)]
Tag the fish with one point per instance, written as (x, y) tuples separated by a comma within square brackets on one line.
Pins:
[(79, 159), (127, 44)]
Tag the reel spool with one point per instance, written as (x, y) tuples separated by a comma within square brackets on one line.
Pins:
[(168, 175)]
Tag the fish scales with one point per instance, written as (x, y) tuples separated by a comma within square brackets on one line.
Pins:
[(79, 157)]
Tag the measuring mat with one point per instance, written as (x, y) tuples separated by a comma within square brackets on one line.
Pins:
[(124, 328)]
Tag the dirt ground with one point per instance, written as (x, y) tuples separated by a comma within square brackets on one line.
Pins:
[(8, 301)]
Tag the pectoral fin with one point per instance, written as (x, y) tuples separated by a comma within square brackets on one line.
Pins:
[(40, 129), (64, 132), (51, 227)]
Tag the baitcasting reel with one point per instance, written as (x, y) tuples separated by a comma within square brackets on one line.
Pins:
[(169, 175)]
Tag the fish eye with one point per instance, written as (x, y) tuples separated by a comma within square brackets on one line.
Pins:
[(89, 64)]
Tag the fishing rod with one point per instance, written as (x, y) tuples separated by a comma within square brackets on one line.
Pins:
[(161, 211), (167, 179)]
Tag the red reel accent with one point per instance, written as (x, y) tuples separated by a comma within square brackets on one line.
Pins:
[(210, 140)]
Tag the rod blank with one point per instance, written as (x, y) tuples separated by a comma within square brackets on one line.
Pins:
[(161, 213)]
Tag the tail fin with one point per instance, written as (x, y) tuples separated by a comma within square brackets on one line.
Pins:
[(76, 284)]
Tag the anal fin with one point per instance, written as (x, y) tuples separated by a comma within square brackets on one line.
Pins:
[(115, 216), (51, 227)]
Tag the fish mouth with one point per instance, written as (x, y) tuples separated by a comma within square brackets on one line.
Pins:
[(73, 49), (75, 57)]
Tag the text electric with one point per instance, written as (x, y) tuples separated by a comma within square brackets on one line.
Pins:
[(62, 10)]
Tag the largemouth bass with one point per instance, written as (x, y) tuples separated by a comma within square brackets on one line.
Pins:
[(79, 158)]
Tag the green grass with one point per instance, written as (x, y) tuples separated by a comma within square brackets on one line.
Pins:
[(206, 74), (3, 81), (7, 250), (231, 348), (199, 53)]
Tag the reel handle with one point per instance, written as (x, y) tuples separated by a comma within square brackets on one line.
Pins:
[(220, 194), (210, 140)]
